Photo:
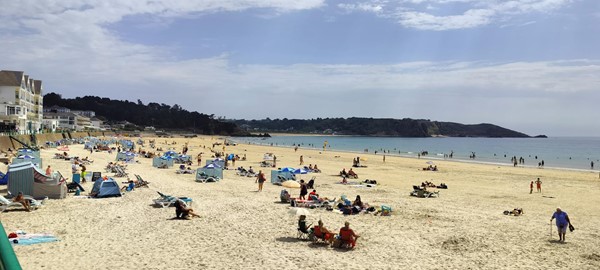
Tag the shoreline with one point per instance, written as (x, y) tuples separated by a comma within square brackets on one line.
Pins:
[(426, 157)]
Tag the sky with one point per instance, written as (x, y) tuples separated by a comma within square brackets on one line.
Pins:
[(528, 65)]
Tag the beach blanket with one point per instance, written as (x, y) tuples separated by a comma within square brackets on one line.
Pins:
[(26, 239), (363, 185)]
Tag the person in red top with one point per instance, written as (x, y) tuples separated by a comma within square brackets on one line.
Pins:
[(347, 235), (323, 233), (531, 187)]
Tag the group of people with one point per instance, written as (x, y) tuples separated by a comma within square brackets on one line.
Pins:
[(348, 174), (431, 168), (345, 238), (538, 184)]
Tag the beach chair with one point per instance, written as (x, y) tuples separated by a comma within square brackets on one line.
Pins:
[(304, 233), (6, 203), (120, 172), (167, 200), (284, 196), (345, 240), (141, 182), (317, 236)]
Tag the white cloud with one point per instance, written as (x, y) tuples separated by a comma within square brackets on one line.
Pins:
[(424, 14), (67, 44)]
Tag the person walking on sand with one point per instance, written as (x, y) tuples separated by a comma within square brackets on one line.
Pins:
[(538, 185), (199, 158), (301, 160), (562, 222), (531, 187), (260, 179)]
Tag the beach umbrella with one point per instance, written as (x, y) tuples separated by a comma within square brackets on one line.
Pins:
[(300, 171), (170, 153), (26, 157), (287, 169), (290, 184), (299, 211)]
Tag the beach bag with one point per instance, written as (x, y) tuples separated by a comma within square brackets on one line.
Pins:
[(571, 228)]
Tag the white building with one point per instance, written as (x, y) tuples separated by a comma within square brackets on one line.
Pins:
[(21, 102), (66, 121), (50, 125), (56, 108), (89, 114)]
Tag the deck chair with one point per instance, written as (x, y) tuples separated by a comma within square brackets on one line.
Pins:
[(6, 203), (168, 200), (121, 172), (141, 182), (317, 235), (345, 240), (304, 232)]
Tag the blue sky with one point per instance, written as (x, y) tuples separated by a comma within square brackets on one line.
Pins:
[(528, 65)]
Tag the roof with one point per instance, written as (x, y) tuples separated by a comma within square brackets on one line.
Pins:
[(11, 78), (38, 87)]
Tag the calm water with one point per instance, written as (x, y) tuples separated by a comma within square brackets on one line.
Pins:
[(560, 152)]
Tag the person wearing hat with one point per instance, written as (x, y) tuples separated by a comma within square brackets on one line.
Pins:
[(562, 222)]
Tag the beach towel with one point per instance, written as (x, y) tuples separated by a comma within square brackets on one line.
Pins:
[(26, 239)]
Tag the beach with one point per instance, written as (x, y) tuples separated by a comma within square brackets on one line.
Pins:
[(240, 228)]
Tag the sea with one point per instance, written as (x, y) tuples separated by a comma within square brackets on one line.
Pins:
[(572, 153)]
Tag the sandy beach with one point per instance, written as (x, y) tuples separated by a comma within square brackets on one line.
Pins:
[(240, 228)]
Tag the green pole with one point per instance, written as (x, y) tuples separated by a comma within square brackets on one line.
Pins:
[(8, 258)]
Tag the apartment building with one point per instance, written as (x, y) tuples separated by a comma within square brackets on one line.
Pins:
[(21, 102)]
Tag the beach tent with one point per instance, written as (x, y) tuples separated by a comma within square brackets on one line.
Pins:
[(300, 171), (31, 180), (171, 153), (219, 161), (279, 176), (127, 144), (182, 159), (3, 178), (27, 151), (210, 170), (126, 156), (106, 188), (160, 162), (28, 158)]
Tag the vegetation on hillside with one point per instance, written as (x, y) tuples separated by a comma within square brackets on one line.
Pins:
[(377, 127), (161, 116)]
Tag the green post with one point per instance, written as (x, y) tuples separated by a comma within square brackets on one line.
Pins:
[(8, 258)]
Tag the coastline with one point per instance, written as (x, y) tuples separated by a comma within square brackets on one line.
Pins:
[(463, 228), (428, 157)]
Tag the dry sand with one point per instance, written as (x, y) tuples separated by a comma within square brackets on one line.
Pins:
[(243, 229)]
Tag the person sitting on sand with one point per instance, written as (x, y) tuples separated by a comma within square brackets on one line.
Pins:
[(358, 202), (21, 199), (129, 187), (323, 233), (351, 173), (183, 211), (315, 169), (346, 236)]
